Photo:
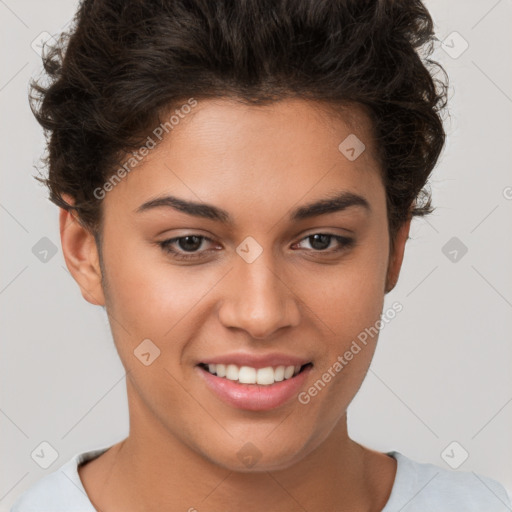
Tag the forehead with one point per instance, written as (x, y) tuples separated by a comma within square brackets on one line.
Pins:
[(233, 154)]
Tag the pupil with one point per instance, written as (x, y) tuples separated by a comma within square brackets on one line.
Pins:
[(323, 238)]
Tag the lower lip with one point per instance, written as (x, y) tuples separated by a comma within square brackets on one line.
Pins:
[(254, 397)]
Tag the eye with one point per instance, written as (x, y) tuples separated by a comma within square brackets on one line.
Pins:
[(187, 247), (320, 242), (186, 244)]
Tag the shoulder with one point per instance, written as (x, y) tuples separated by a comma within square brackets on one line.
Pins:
[(421, 486), (59, 491)]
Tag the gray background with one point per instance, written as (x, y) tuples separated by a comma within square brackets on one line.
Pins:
[(441, 372)]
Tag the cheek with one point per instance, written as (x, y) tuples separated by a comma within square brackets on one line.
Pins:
[(350, 296), (150, 295), (348, 304), (347, 309)]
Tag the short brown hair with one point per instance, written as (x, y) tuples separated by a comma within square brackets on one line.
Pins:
[(126, 62)]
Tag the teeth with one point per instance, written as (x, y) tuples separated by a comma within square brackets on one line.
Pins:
[(288, 371), (279, 374), (231, 372), (265, 376), (220, 370), (248, 375)]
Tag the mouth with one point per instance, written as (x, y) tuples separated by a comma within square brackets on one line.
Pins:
[(249, 375), (254, 389)]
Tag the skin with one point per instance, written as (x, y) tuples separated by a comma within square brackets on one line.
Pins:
[(257, 163)]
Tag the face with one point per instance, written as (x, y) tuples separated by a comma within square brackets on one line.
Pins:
[(254, 281)]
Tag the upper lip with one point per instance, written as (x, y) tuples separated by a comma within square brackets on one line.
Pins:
[(257, 361)]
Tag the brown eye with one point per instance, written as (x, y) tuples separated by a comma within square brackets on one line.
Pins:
[(320, 242), (190, 243), (179, 247)]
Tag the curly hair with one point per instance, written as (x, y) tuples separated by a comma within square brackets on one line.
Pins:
[(125, 63)]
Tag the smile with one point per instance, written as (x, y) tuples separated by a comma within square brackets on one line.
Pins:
[(249, 375), (254, 389)]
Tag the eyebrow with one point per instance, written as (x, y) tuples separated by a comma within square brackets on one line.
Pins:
[(336, 203)]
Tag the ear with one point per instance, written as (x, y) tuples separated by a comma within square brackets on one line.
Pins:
[(397, 255), (81, 255)]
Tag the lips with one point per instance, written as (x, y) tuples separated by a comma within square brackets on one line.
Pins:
[(255, 382)]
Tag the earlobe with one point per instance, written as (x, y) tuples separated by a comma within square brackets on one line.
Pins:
[(397, 255), (81, 255)]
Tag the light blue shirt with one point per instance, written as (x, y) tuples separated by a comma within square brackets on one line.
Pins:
[(418, 487)]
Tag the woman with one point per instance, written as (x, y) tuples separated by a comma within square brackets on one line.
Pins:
[(236, 183)]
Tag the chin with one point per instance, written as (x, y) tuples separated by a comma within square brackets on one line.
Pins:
[(255, 456)]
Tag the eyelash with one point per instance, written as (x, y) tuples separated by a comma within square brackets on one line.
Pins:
[(345, 243)]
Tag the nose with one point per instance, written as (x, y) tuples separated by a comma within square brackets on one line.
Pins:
[(259, 300)]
